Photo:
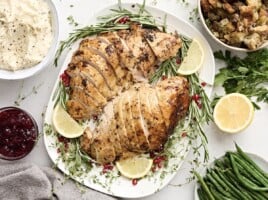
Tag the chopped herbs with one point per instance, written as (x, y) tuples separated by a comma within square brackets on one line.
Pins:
[(72, 21), (244, 75), (21, 97), (194, 15)]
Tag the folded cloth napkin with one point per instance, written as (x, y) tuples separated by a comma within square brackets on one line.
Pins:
[(23, 181)]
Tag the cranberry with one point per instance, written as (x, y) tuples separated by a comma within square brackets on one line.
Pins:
[(65, 78), (18, 133), (196, 97), (134, 181), (203, 84), (123, 20), (178, 61), (107, 167), (164, 77), (184, 134), (152, 154)]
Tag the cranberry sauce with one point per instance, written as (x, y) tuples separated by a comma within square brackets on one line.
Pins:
[(18, 133)]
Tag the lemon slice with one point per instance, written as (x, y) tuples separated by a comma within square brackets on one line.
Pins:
[(136, 167), (65, 124), (233, 113), (193, 60)]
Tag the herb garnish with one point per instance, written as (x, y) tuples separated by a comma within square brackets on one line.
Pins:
[(199, 111), (244, 75), (22, 97), (72, 21), (110, 23)]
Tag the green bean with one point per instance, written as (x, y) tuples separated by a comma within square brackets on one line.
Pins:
[(218, 179), (251, 170), (248, 175), (204, 186), (218, 195), (243, 180), (236, 193), (232, 178), (249, 160), (216, 184), (201, 194)]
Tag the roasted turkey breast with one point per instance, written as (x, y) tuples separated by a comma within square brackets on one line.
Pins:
[(110, 63), (137, 121), (109, 79)]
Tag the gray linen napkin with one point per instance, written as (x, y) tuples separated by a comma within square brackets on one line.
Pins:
[(23, 181)]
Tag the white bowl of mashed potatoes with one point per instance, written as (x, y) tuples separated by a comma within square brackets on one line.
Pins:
[(237, 25), (29, 32)]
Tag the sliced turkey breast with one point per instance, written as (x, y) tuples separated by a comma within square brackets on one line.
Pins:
[(164, 45), (139, 112)]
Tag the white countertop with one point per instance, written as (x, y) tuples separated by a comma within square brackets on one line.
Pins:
[(254, 139)]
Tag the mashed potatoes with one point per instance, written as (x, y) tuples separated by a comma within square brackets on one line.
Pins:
[(25, 33)]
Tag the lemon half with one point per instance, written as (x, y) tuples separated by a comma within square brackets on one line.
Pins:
[(233, 113), (135, 167), (193, 60), (64, 124)]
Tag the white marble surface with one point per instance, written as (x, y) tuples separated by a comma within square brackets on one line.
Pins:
[(254, 139)]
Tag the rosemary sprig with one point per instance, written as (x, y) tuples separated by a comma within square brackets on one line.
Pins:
[(61, 95), (170, 67), (200, 111), (110, 22)]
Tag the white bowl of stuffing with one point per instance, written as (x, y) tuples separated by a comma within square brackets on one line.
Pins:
[(29, 32), (240, 25)]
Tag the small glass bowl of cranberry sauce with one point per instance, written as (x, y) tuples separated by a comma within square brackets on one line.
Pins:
[(18, 133)]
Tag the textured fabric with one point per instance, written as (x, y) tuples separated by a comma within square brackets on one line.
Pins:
[(22, 181)]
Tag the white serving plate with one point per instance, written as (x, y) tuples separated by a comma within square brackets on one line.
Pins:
[(122, 187)]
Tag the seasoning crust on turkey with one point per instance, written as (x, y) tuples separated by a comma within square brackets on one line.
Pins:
[(109, 79)]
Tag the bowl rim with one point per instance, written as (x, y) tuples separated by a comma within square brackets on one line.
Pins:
[(47, 60), (36, 133), (230, 47)]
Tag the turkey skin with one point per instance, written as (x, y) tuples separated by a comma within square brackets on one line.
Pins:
[(110, 63), (138, 120)]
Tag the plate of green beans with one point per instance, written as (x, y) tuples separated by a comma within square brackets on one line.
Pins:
[(234, 176)]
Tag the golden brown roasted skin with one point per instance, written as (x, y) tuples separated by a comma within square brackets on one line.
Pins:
[(149, 116), (112, 62)]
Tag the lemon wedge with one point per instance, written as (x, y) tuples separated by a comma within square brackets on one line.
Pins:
[(193, 60), (233, 113), (136, 167), (64, 124)]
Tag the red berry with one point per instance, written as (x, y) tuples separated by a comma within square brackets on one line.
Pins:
[(123, 20), (134, 181), (65, 78), (184, 134), (196, 97), (164, 77), (178, 61), (152, 154), (203, 84)]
